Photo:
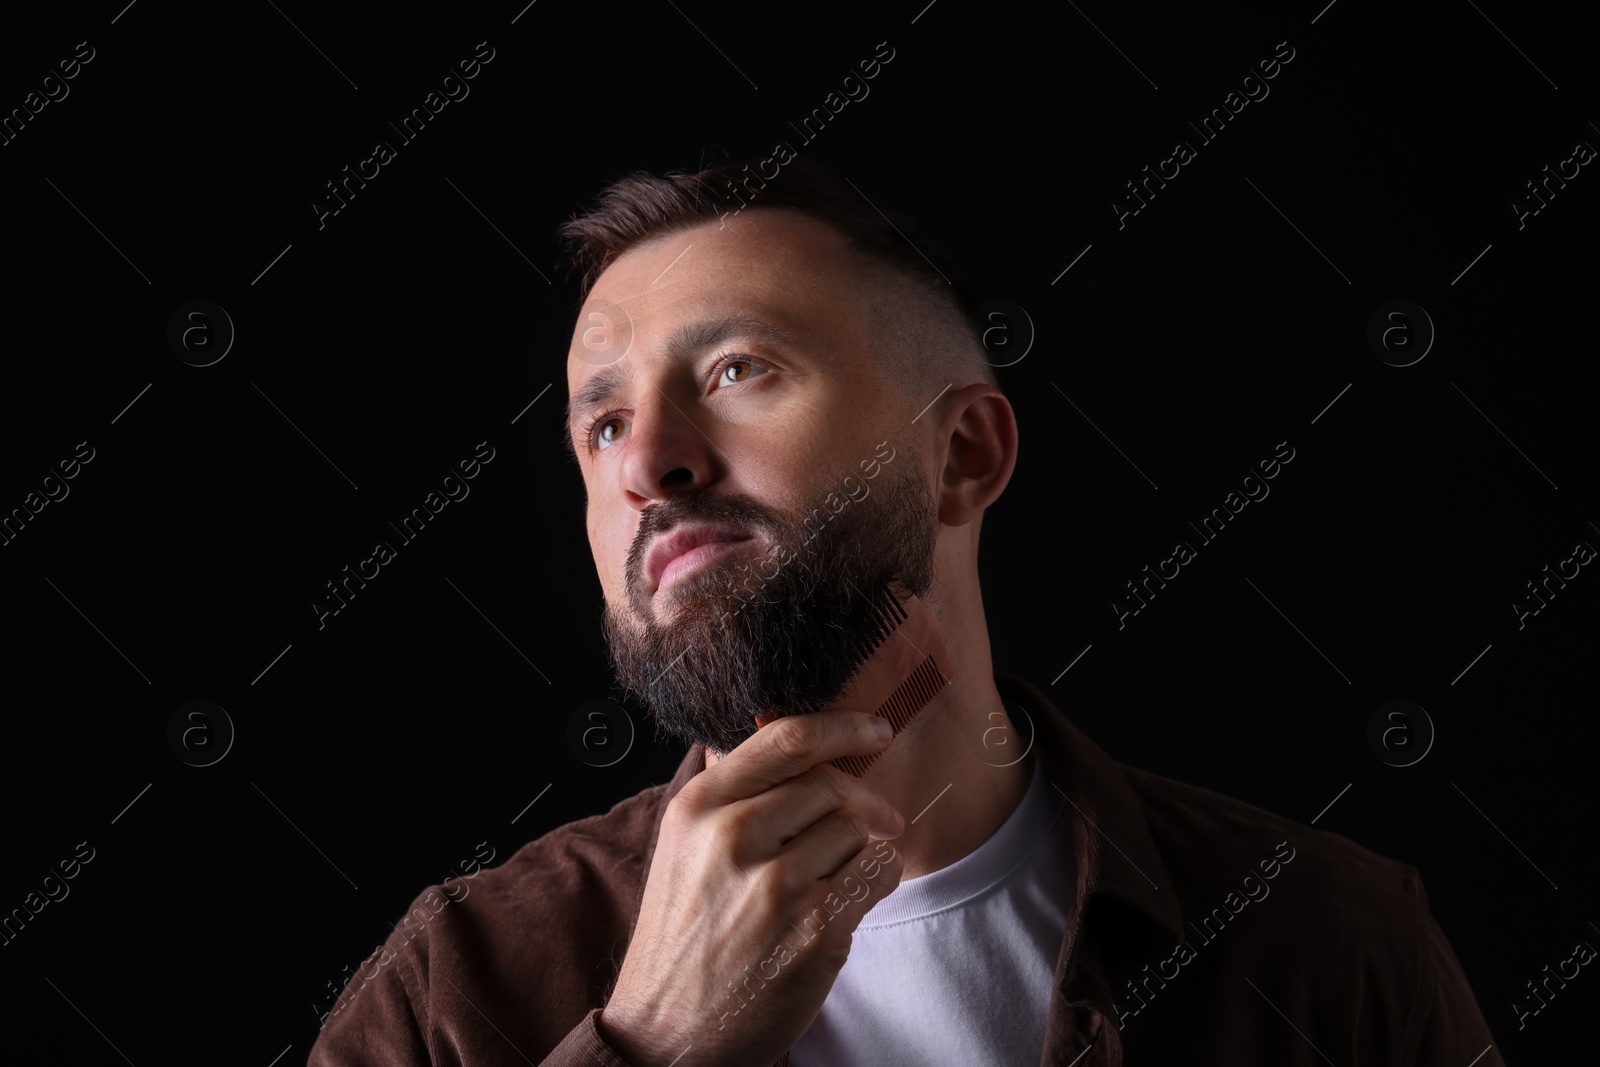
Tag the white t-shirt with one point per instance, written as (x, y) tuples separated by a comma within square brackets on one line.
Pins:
[(958, 966)]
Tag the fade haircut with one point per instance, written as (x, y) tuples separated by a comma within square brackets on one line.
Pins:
[(926, 336)]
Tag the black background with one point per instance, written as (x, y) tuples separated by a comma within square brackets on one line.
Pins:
[(374, 754)]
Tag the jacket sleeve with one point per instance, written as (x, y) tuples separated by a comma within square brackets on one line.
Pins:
[(584, 1047), (376, 1024), (372, 1022), (1449, 1027)]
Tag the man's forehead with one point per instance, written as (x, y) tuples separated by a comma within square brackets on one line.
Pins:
[(689, 323), (788, 277)]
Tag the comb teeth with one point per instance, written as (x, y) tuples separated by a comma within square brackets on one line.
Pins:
[(889, 613), (903, 705)]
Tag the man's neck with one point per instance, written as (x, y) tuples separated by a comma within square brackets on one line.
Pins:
[(955, 774)]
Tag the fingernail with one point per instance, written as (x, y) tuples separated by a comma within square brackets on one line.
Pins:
[(885, 729)]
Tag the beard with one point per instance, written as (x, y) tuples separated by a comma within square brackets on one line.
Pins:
[(732, 640)]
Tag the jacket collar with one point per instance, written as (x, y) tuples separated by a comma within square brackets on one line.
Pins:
[(1126, 905), (1116, 853)]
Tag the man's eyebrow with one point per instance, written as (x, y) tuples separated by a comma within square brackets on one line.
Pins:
[(685, 342)]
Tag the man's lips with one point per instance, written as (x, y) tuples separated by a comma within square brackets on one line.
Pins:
[(686, 548)]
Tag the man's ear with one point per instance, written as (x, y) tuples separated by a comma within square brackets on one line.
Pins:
[(979, 435)]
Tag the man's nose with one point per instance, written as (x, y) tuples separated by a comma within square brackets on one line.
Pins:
[(669, 452)]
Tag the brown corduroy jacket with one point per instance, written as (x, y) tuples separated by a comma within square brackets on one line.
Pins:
[(1204, 931)]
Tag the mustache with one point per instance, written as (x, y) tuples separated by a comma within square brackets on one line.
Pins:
[(740, 512)]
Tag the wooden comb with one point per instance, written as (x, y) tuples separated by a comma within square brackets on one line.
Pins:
[(906, 666)]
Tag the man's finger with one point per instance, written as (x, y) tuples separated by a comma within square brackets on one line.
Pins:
[(787, 747)]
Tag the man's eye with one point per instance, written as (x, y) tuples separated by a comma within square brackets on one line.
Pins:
[(732, 364), (601, 424)]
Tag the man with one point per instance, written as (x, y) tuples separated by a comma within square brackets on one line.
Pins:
[(781, 411)]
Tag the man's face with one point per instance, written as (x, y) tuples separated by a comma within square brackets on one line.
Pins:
[(749, 399)]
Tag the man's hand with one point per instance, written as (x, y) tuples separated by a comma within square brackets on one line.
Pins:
[(755, 854)]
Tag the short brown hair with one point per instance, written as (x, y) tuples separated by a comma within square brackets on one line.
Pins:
[(931, 315)]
